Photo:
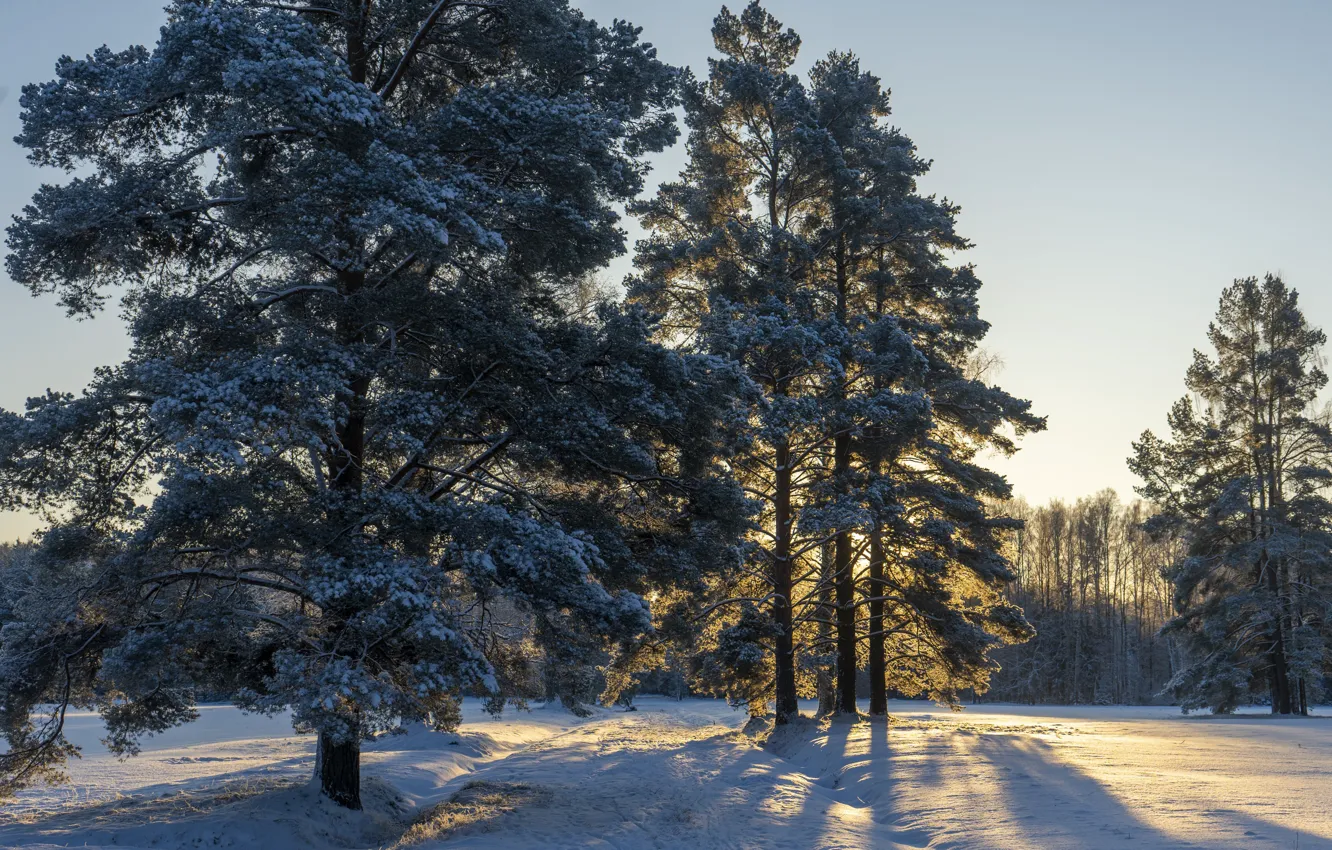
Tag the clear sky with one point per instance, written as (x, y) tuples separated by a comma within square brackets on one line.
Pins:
[(1117, 164)]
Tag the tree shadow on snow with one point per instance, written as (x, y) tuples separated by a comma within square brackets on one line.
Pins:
[(1041, 787), (145, 806), (968, 789), (945, 787)]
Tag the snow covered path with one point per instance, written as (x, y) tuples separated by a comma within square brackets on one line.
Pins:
[(683, 775)]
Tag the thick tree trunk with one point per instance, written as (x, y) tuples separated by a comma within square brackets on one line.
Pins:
[(823, 685), (878, 666), (340, 771), (846, 593), (824, 679), (785, 686)]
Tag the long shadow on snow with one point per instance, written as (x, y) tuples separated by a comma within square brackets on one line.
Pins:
[(1038, 801), (1011, 785), (631, 791), (1046, 797), (1089, 808), (1016, 778), (953, 790), (136, 810)]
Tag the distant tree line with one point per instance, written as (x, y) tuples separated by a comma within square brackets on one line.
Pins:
[(1092, 582)]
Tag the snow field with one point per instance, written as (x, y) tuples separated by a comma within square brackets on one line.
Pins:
[(686, 774)]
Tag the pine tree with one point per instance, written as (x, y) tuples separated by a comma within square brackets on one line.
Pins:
[(796, 244), (849, 107), (728, 270), (905, 329), (909, 406), (1243, 481), (362, 426)]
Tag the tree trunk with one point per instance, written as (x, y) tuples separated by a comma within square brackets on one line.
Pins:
[(784, 657), (823, 686), (1278, 678), (340, 771), (878, 667), (846, 584), (338, 765), (846, 593), (824, 681), (878, 656), (1277, 671)]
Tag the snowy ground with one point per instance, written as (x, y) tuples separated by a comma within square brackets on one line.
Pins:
[(684, 775)]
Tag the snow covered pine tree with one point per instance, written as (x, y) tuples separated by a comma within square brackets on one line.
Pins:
[(795, 243), (733, 285), (359, 410), (907, 414), (1243, 483)]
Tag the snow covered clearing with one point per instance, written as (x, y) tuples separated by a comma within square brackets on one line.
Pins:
[(686, 774)]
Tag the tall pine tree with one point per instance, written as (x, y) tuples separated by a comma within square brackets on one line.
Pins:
[(361, 421), (1243, 481), (729, 269), (909, 417)]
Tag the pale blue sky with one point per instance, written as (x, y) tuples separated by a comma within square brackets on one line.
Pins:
[(1117, 163)]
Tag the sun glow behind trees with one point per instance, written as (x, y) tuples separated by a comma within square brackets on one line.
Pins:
[(795, 243), (384, 441)]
